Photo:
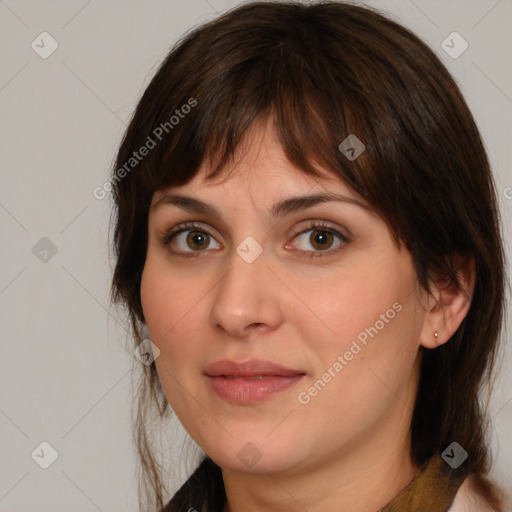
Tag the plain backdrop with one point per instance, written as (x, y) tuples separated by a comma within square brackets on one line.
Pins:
[(64, 370)]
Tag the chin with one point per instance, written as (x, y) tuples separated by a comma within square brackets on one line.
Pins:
[(261, 464), (255, 455)]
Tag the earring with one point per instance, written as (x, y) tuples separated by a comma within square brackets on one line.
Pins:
[(435, 334)]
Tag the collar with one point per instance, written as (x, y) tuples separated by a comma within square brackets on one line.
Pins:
[(433, 488)]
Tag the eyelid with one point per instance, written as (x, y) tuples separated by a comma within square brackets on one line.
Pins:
[(310, 225), (168, 235), (320, 225), (317, 224)]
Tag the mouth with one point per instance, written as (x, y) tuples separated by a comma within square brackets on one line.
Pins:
[(250, 381), (250, 368), (254, 377)]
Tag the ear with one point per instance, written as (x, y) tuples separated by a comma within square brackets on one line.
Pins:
[(449, 305)]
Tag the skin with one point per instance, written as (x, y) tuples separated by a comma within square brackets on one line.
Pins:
[(347, 449)]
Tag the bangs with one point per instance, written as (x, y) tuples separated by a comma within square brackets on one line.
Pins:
[(281, 79), (322, 77)]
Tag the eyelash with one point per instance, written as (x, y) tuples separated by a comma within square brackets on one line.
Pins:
[(312, 225)]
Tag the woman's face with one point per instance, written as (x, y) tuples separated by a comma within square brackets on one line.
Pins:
[(337, 308)]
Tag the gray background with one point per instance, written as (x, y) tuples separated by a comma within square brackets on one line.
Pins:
[(65, 372)]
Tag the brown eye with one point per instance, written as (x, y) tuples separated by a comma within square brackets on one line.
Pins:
[(189, 238), (321, 240), (198, 240)]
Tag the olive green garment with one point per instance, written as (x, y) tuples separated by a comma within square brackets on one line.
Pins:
[(432, 490)]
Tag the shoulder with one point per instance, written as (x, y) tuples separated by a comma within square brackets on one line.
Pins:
[(467, 500)]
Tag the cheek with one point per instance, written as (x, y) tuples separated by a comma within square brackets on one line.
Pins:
[(368, 316), (161, 304), (155, 294), (353, 303), (174, 314), (166, 297), (169, 307)]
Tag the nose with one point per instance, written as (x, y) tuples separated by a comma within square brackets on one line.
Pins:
[(247, 298)]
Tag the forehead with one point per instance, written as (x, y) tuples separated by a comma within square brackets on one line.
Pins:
[(260, 166), (260, 179)]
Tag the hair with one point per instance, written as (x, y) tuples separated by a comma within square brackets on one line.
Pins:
[(320, 72)]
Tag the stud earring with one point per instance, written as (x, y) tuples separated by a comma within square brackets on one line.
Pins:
[(435, 334)]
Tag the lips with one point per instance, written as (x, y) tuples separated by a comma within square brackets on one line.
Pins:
[(249, 369), (250, 381)]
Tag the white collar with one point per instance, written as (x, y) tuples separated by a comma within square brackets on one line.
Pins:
[(467, 500)]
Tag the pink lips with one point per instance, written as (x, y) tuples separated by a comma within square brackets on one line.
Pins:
[(251, 380)]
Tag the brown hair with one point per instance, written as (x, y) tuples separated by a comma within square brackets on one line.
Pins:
[(321, 72)]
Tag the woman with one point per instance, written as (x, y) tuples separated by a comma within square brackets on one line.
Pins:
[(307, 231)]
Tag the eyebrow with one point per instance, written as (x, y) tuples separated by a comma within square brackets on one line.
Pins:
[(279, 209)]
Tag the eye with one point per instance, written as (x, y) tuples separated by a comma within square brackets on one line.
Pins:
[(193, 238), (190, 237), (321, 237)]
